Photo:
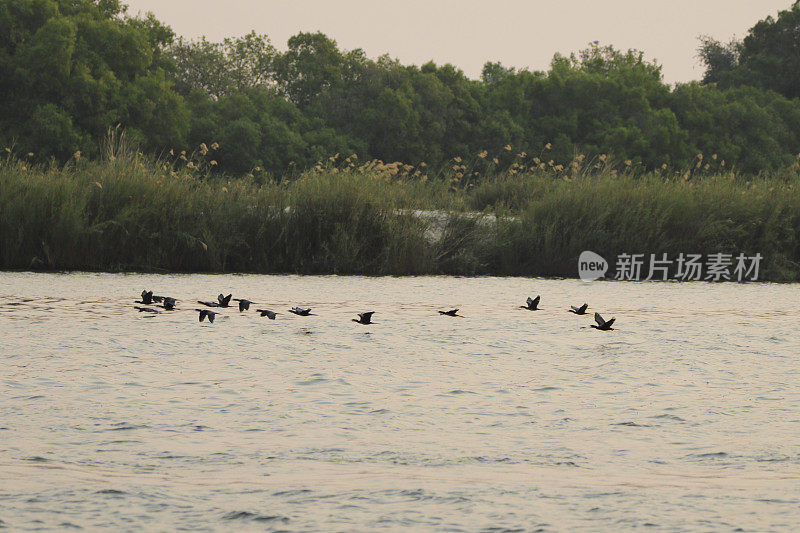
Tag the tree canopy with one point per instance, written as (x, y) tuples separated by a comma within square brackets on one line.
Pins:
[(768, 57), (70, 69)]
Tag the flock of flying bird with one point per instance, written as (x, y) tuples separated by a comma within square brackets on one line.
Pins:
[(168, 304)]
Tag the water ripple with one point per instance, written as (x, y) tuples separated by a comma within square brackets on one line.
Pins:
[(498, 421)]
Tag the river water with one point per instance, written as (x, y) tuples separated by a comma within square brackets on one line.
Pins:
[(686, 417)]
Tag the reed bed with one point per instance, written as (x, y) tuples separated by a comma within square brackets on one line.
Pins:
[(128, 212)]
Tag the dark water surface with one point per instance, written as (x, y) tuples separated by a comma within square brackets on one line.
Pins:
[(685, 418)]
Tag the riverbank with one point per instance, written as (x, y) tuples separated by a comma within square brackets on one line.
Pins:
[(135, 214)]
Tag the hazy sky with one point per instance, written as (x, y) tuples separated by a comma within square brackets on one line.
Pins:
[(468, 33)]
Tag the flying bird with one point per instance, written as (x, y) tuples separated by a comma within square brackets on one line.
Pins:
[(168, 303), (602, 324), (145, 309), (300, 312), (579, 310), (267, 313), (244, 305), (533, 304), (205, 313), (452, 312), (147, 297), (365, 318), (222, 301)]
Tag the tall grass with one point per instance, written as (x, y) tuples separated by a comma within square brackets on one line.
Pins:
[(133, 214), (653, 215), (129, 212)]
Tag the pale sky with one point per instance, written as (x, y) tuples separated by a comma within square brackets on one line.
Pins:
[(467, 33)]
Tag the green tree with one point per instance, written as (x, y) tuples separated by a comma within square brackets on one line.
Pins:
[(768, 56), (85, 66), (311, 65), (749, 128), (222, 69), (721, 60)]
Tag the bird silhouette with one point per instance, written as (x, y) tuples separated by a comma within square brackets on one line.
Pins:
[(145, 309), (602, 325), (533, 304), (301, 312), (205, 313), (365, 318), (452, 312), (168, 303), (267, 313), (147, 298), (244, 305), (579, 310)]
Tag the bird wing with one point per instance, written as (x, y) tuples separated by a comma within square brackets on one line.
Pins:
[(599, 319), (529, 301), (536, 301), (609, 323), (367, 315), (211, 316), (583, 308)]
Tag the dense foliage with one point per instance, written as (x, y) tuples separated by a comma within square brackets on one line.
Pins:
[(70, 69), (129, 212), (768, 57)]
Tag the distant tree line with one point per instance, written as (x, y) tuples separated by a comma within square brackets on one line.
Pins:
[(70, 69)]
